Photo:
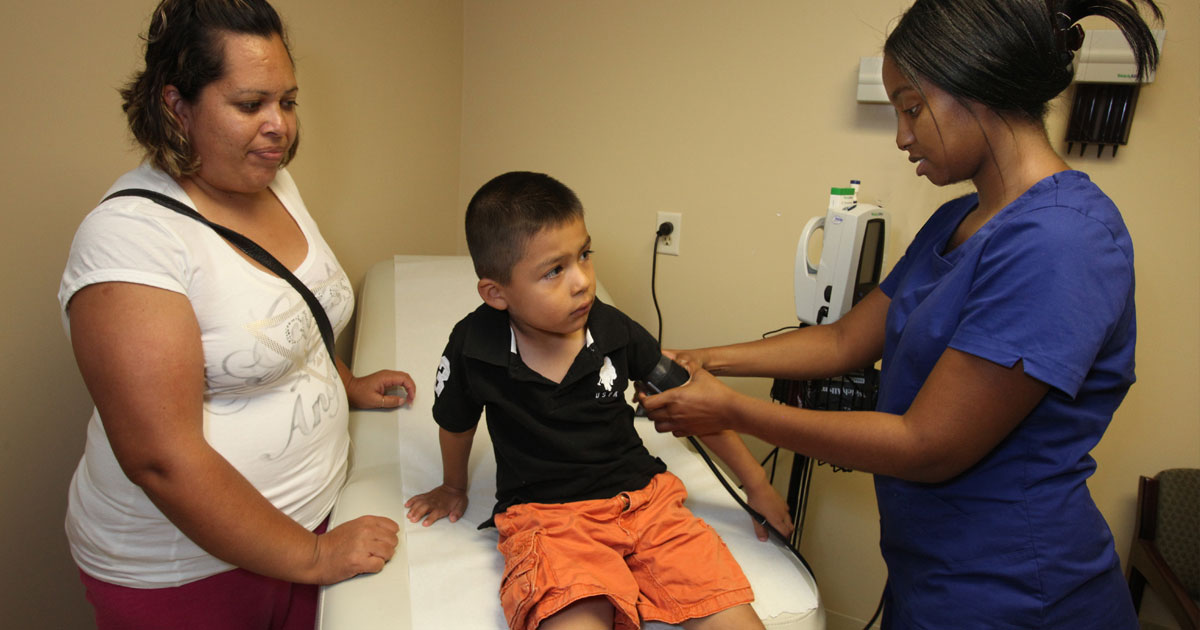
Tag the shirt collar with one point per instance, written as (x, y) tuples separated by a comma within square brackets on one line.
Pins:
[(485, 341), (512, 344)]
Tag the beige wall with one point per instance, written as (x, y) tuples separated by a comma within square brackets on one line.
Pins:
[(380, 108), (736, 115), (741, 116)]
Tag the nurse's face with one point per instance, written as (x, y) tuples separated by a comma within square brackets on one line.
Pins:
[(941, 134)]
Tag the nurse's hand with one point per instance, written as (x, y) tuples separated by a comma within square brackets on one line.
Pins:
[(692, 359), (702, 406)]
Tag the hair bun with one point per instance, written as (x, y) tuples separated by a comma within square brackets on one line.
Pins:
[(1067, 32)]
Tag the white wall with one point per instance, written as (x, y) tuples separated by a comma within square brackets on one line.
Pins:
[(738, 115)]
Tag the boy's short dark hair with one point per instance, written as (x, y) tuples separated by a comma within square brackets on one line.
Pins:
[(507, 211)]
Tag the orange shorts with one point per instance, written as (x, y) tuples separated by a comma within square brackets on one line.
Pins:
[(648, 554)]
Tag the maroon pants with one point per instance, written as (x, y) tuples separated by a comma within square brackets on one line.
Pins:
[(234, 600)]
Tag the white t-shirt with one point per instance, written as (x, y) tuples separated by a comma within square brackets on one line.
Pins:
[(274, 405)]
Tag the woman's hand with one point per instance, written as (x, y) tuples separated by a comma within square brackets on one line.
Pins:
[(362, 545), (702, 406), (442, 501), (380, 390)]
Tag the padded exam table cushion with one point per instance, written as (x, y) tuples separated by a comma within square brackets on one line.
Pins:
[(448, 575)]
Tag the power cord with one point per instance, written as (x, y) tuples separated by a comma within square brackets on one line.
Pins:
[(665, 229), (878, 610)]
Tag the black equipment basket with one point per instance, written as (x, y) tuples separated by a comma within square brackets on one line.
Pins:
[(855, 391)]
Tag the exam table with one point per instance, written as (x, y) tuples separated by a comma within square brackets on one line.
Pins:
[(448, 575)]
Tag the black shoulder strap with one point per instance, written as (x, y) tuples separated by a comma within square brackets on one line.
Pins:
[(252, 249)]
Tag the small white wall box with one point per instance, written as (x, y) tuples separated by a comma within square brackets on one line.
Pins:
[(1106, 57), (870, 80)]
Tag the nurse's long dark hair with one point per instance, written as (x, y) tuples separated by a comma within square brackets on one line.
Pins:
[(1013, 56)]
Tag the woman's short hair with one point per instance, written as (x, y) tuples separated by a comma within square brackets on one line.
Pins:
[(184, 49), (1013, 56)]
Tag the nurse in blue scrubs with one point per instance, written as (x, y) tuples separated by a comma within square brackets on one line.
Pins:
[(1006, 332)]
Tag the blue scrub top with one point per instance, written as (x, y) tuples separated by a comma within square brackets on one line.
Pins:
[(1016, 541)]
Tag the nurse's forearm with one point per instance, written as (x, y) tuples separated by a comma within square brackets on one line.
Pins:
[(801, 354), (855, 341), (867, 441), (964, 409)]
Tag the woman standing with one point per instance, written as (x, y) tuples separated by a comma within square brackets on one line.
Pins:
[(1006, 332), (219, 440)]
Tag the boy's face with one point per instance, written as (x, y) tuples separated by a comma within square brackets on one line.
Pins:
[(553, 284)]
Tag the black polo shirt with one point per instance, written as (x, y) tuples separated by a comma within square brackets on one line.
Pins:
[(554, 442)]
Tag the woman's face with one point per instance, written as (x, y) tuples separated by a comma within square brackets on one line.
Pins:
[(942, 136), (242, 125)]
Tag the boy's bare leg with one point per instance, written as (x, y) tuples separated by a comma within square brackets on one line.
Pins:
[(592, 613), (736, 618)]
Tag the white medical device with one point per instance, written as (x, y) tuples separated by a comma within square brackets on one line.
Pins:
[(854, 236)]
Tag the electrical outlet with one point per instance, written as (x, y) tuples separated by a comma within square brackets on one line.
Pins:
[(669, 244)]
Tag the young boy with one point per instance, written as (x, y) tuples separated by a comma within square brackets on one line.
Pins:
[(592, 527)]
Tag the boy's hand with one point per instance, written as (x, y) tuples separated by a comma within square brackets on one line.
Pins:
[(766, 501), (442, 501)]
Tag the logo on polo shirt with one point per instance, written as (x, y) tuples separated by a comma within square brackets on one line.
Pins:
[(443, 374), (608, 376)]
